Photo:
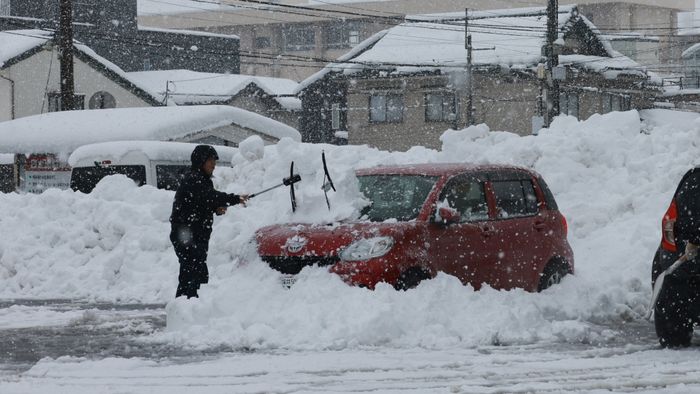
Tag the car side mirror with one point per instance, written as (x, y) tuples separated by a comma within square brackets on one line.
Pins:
[(448, 215)]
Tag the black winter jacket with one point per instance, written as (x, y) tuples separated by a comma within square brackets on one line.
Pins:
[(195, 202), (687, 227)]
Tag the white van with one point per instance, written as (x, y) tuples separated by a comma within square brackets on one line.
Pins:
[(157, 163)]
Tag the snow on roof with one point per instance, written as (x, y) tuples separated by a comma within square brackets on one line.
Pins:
[(153, 150), (171, 7), (690, 51), (117, 70), (16, 42), (188, 32), (505, 39), (7, 158), (187, 87), (63, 132)]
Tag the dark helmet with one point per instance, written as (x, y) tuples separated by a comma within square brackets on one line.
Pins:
[(202, 153)]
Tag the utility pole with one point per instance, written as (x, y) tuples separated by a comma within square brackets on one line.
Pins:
[(468, 47), (552, 92), (65, 54)]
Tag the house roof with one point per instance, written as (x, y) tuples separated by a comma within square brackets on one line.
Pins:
[(191, 87), (17, 45), (499, 38), (63, 132)]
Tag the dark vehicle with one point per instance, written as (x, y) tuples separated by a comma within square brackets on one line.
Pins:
[(484, 224), (677, 308)]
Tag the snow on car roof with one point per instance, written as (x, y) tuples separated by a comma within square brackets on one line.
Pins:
[(153, 150), (434, 169), (63, 132)]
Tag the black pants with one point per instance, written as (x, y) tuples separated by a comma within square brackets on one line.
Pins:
[(192, 254)]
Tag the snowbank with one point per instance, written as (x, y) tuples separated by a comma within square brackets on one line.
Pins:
[(612, 175)]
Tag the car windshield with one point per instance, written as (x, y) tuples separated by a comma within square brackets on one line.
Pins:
[(84, 179), (399, 197)]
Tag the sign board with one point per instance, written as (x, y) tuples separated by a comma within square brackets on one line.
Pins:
[(44, 171)]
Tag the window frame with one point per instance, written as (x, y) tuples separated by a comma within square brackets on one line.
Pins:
[(527, 210), (460, 179), (299, 37), (450, 115), (565, 101), (385, 108)]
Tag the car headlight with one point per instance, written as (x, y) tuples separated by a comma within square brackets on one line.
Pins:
[(367, 248)]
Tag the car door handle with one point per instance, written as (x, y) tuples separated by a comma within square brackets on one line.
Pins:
[(487, 231), (539, 225)]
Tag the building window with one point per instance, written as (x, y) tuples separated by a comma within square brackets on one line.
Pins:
[(616, 102), (5, 9), (102, 100), (386, 108), (353, 37), (299, 38), (335, 116), (55, 101), (147, 64), (440, 107), (262, 42), (568, 103), (342, 35)]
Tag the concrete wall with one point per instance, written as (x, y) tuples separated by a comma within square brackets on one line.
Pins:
[(38, 74)]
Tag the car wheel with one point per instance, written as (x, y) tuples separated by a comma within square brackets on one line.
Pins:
[(553, 273), (411, 278), (672, 321)]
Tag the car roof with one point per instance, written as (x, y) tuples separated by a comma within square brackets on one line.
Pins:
[(436, 169)]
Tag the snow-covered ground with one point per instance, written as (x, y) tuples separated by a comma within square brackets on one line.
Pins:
[(612, 175)]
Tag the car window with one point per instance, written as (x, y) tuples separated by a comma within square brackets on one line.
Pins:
[(169, 176), (548, 196), (468, 198), (84, 179), (399, 197), (688, 196), (515, 198)]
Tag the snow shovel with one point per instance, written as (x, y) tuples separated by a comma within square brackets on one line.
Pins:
[(660, 283), (290, 181)]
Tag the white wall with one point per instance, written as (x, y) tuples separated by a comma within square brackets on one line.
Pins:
[(5, 99), (40, 73)]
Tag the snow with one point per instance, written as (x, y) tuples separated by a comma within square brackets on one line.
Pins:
[(152, 150), (173, 7), (113, 245), (185, 86), (7, 158), (504, 39), (16, 42), (612, 175), (41, 133)]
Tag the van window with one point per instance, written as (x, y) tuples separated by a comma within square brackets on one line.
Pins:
[(515, 198), (169, 176), (84, 179)]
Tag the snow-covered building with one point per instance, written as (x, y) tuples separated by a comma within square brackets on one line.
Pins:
[(30, 77), (42, 143), (404, 86), (271, 97)]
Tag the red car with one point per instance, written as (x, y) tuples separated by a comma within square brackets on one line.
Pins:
[(491, 224)]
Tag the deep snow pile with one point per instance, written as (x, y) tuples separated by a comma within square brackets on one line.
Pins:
[(612, 175)]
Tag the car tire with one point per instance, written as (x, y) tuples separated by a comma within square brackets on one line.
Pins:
[(672, 320), (411, 278), (552, 274)]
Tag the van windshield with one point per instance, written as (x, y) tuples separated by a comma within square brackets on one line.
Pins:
[(399, 197), (84, 179)]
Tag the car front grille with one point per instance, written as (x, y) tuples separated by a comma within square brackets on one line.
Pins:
[(293, 265)]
